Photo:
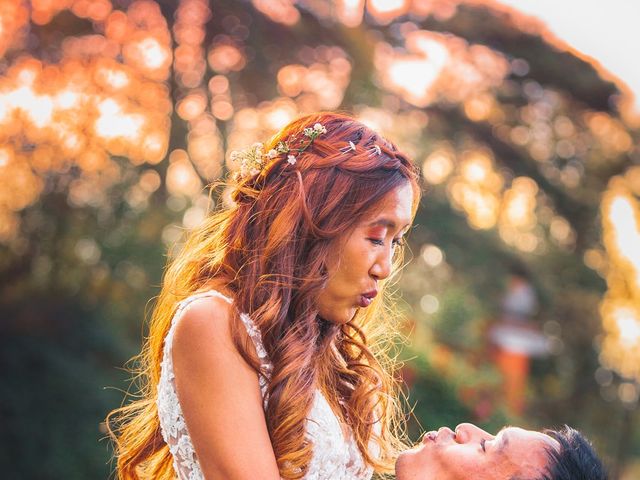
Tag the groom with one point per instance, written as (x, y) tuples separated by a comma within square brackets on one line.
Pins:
[(470, 453)]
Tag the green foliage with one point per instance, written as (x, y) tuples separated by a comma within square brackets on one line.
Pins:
[(435, 400), (459, 320), (54, 399)]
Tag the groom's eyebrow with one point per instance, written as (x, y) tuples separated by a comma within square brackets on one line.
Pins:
[(503, 439)]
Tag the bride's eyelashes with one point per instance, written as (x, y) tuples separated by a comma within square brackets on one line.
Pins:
[(397, 242)]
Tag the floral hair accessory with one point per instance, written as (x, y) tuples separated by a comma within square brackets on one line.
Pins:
[(253, 159), (350, 147)]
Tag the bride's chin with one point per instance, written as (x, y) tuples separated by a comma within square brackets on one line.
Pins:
[(340, 317)]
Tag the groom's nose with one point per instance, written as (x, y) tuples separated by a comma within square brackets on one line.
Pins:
[(468, 432)]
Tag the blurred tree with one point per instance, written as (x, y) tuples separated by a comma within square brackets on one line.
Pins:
[(115, 114)]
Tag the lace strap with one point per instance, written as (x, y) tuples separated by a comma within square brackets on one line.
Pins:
[(256, 338), (266, 367), (252, 329)]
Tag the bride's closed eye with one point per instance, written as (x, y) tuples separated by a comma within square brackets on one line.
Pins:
[(397, 242)]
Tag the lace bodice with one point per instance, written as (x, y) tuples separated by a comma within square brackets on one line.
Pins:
[(335, 453)]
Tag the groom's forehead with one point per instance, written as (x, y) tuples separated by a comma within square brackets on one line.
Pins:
[(524, 448)]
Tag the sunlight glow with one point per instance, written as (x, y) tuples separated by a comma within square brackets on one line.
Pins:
[(439, 66), (113, 122), (438, 166), (415, 75), (66, 99), (628, 326), (386, 10), (350, 12), (627, 230), (152, 53), (619, 308), (280, 11)]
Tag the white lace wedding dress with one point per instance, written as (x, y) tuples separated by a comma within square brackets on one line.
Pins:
[(335, 454)]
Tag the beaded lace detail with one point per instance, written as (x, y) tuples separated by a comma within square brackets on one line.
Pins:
[(335, 453)]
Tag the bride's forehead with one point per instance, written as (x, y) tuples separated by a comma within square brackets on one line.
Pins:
[(393, 223), (396, 205)]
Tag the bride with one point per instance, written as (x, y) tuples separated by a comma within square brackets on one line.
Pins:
[(266, 353)]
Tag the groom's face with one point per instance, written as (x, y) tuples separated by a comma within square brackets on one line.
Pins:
[(472, 453)]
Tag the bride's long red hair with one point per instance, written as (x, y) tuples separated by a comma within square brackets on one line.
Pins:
[(270, 249)]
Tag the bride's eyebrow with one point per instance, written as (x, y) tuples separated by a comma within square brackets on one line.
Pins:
[(385, 222)]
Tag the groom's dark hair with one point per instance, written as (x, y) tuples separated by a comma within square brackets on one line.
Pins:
[(575, 460)]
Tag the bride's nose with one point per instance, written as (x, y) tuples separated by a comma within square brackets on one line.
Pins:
[(467, 432)]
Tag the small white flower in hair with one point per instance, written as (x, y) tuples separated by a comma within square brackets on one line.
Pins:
[(282, 147), (377, 149), (253, 160), (318, 127), (352, 146)]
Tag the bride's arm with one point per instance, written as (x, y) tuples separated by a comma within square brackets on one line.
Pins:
[(220, 396)]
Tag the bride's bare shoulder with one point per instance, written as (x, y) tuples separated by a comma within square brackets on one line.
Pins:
[(204, 321)]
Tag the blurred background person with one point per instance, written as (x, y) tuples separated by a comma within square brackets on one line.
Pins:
[(516, 337)]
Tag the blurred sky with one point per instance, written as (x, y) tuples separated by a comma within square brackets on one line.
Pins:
[(606, 30)]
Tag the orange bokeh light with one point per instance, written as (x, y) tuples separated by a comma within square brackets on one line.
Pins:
[(225, 58)]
